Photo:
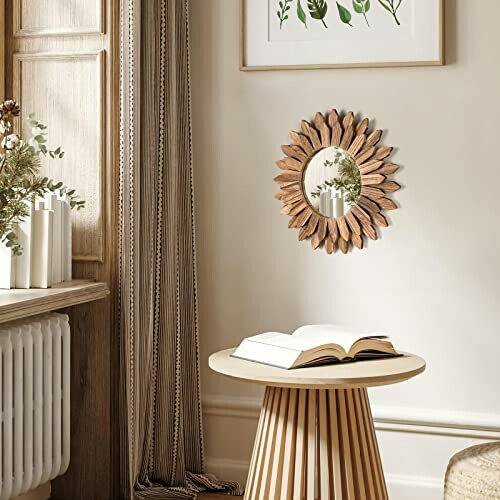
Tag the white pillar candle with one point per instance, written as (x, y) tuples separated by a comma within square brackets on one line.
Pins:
[(324, 203), (338, 206)]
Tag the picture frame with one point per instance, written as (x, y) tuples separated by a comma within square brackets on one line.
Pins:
[(268, 48)]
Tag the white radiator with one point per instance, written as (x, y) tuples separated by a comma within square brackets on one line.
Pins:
[(34, 402)]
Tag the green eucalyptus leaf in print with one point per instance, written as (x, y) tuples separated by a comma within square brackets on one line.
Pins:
[(318, 10), (284, 7), (361, 7), (392, 7), (301, 14), (344, 14)]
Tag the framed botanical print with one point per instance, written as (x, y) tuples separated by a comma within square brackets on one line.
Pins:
[(296, 34)]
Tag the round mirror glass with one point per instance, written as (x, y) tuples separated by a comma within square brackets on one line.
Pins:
[(332, 182)]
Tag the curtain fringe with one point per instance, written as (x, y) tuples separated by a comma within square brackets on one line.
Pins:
[(195, 483)]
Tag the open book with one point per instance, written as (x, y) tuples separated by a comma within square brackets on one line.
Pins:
[(313, 345)]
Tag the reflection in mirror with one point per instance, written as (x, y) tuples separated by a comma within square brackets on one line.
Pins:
[(332, 182)]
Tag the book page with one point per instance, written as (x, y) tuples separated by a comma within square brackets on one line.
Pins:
[(317, 335), (283, 340)]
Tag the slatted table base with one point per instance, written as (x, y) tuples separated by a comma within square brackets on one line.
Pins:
[(315, 445)]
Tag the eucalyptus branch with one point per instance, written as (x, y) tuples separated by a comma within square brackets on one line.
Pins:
[(389, 6), (20, 182), (282, 13)]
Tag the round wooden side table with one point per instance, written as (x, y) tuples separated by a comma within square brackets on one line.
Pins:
[(315, 438)]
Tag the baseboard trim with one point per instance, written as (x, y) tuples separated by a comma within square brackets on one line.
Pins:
[(400, 486), (387, 418)]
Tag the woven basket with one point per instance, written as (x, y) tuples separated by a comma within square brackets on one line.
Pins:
[(474, 474)]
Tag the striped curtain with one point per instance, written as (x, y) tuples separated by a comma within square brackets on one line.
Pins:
[(161, 439)]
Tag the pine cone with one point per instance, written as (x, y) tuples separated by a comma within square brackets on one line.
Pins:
[(9, 109)]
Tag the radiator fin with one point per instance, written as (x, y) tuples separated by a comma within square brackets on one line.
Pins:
[(34, 402)]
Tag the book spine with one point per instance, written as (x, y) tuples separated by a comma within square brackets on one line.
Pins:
[(7, 267), (67, 250), (55, 204), (41, 256), (23, 261)]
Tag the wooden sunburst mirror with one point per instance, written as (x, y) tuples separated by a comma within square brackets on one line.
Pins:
[(334, 182)]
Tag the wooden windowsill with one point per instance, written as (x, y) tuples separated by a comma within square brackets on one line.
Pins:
[(18, 304)]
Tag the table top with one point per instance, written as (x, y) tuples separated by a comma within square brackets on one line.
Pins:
[(367, 373)]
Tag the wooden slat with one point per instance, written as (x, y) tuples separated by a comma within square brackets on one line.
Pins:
[(369, 230), (356, 145), (292, 223), (333, 118), (343, 245), (269, 448), (389, 186), (290, 447), (369, 205), (298, 208), (312, 133), (343, 229), (322, 228), (335, 448), (333, 230), (289, 207), (315, 241), (347, 138), (256, 470), (300, 447), (362, 126), (357, 240), (276, 469), (304, 217), (367, 467), (336, 135), (360, 213), (290, 163), (359, 480), (294, 151), (311, 444), (386, 204), (324, 129), (371, 192), (387, 169), (382, 153), (329, 245), (370, 166), (256, 455), (289, 186), (302, 141), (348, 120), (324, 466), (372, 179), (379, 219), (352, 223), (288, 176), (346, 447), (364, 155), (374, 138), (292, 197)]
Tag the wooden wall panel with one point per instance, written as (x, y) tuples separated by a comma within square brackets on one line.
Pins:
[(69, 79), (57, 17), (62, 62)]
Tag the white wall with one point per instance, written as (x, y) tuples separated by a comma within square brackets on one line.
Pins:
[(432, 281)]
